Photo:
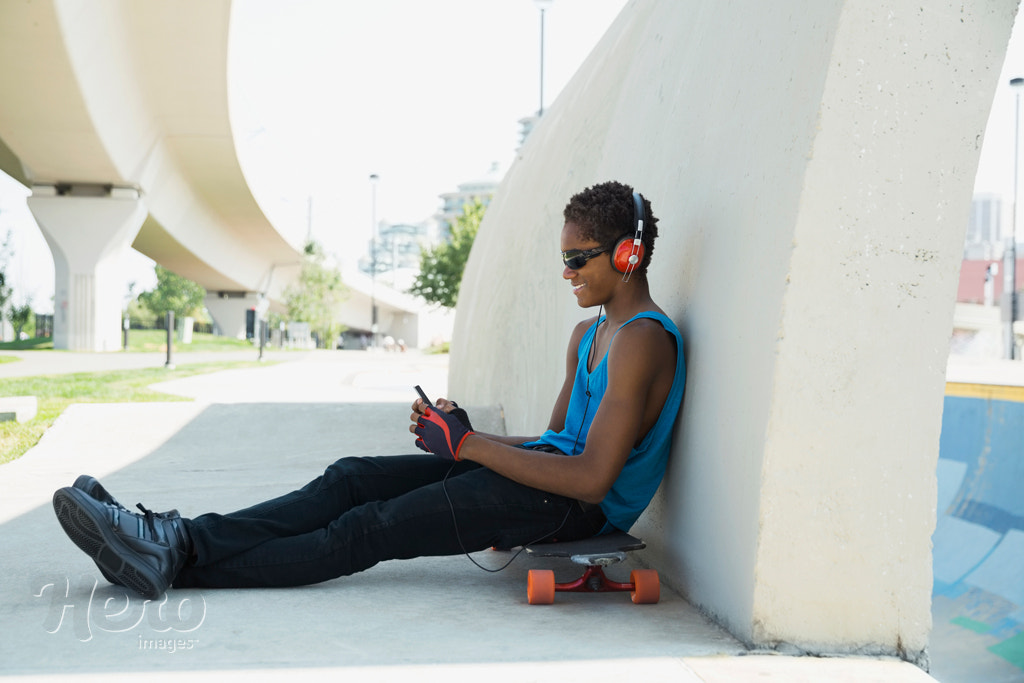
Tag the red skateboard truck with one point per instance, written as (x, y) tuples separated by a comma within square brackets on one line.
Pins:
[(594, 554)]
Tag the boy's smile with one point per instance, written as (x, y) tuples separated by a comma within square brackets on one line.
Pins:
[(578, 256)]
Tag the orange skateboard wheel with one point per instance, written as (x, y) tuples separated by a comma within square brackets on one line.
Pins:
[(540, 587), (646, 587)]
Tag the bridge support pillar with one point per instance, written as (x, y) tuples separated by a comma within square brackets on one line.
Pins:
[(89, 230), (229, 311)]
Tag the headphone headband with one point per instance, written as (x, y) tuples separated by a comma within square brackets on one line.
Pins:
[(638, 211)]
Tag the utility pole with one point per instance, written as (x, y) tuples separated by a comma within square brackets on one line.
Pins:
[(1009, 298)]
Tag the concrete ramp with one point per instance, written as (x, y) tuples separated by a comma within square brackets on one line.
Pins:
[(978, 556)]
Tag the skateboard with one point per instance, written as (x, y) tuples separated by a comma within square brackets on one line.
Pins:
[(595, 554)]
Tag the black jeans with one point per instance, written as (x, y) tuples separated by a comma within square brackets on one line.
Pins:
[(362, 511)]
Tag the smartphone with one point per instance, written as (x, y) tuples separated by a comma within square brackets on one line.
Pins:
[(423, 396)]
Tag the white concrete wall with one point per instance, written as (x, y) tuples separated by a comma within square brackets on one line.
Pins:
[(812, 166)]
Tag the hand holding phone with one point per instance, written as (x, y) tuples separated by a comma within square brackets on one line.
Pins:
[(458, 412), (441, 433)]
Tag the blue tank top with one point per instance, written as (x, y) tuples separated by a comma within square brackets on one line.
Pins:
[(645, 467)]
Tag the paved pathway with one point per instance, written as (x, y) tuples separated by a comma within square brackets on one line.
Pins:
[(257, 432)]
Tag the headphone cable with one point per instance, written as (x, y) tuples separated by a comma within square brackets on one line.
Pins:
[(590, 359), (458, 536), (451, 505)]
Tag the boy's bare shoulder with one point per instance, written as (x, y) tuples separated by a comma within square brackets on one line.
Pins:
[(645, 337)]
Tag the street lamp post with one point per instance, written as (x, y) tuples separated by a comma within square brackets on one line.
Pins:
[(543, 5), (373, 261), (1009, 298)]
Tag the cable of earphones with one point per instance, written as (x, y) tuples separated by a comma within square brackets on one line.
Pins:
[(458, 536), (590, 360), (451, 506)]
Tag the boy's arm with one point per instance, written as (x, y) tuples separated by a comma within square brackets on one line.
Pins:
[(638, 354), (561, 406)]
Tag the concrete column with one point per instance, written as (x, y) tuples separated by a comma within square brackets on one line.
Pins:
[(228, 310), (88, 229)]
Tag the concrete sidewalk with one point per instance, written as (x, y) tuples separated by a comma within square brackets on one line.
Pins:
[(258, 432)]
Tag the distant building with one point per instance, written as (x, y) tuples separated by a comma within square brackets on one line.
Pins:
[(981, 281), (989, 226), (452, 203), (395, 255), (526, 126), (985, 237)]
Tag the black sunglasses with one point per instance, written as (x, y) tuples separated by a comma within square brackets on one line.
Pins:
[(575, 259)]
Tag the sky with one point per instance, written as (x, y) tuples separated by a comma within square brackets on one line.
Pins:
[(426, 95), (995, 167), (322, 94)]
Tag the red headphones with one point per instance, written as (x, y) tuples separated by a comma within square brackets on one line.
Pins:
[(628, 252)]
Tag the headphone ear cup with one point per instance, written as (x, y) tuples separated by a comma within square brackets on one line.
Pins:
[(621, 253)]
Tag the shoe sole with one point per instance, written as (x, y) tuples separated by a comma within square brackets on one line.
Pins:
[(85, 483), (94, 537)]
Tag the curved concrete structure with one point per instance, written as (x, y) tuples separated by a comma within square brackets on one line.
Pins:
[(128, 94), (812, 165)]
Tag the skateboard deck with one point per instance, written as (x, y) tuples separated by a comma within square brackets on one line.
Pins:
[(594, 554), (617, 542)]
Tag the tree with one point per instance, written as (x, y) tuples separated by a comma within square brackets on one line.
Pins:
[(19, 316), (140, 315), (6, 252), (316, 297), (441, 267), (173, 293)]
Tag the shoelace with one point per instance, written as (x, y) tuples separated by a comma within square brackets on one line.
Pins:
[(149, 519), (157, 532), (149, 516)]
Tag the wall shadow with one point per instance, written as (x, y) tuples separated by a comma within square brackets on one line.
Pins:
[(62, 617)]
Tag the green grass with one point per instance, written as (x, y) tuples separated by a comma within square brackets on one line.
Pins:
[(147, 340), (156, 340), (54, 393), (28, 344)]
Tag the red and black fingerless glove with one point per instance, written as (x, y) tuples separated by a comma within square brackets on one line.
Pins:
[(441, 434)]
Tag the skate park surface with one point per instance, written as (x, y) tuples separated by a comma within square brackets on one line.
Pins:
[(253, 433), (978, 555)]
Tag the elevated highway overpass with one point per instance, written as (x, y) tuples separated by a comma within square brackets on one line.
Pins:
[(116, 115)]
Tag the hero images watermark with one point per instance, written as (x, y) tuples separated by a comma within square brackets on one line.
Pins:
[(78, 608)]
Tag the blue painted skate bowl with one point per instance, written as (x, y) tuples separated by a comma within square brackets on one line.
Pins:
[(978, 544)]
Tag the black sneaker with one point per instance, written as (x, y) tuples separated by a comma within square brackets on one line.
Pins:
[(141, 552), (92, 487)]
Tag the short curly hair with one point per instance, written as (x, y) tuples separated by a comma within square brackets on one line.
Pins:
[(604, 213)]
